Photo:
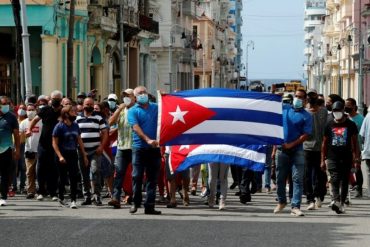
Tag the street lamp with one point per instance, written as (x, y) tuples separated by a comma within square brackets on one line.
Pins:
[(183, 36), (249, 43), (340, 91), (349, 41)]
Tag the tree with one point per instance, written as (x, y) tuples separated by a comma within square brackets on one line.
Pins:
[(70, 80)]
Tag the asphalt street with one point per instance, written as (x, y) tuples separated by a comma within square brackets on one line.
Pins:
[(33, 223)]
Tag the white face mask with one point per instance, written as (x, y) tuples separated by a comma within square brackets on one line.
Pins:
[(21, 112), (338, 115), (127, 100), (31, 114)]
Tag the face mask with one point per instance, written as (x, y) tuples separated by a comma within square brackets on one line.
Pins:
[(297, 103), (72, 118), (338, 115), (89, 109), (4, 109), (55, 103), (21, 112), (348, 110), (31, 114), (127, 101), (142, 99), (112, 104)]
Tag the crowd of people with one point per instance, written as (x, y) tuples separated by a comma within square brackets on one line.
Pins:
[(52, 142)]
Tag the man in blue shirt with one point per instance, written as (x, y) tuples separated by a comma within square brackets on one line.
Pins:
[(146, 155), (9, 129), (297, 125)]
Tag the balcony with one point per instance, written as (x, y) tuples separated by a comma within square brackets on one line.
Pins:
[(308, 36), (307, 51), (346, 11), (188, 8), (312, 23), (148, 24), (315, 11), (103, 18)]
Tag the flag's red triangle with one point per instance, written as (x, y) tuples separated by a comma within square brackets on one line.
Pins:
[(179, 154), (179, 115)]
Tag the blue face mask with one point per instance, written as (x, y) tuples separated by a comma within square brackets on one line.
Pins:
[(5, 109), (142, 99), (297, 103), (112, 104)]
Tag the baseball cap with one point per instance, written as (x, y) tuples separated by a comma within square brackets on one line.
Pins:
[(287, 97), (112, 96), (81, 94), (128, 91), (311, 90), (339, 106)]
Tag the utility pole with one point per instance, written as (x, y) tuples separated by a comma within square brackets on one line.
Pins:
[(26, 52), (360, 69), (122, 47), (70, 48), (18, 50)]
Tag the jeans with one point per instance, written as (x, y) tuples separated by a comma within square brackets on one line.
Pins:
[(121, 162), (286, 162), (247, 183), (68, 170), (315, 178), (6, 162), (47, 171), (236, 173), (20, 169), (91, 173), (218, 172), (148, 160), (339, 177), (267, 173)]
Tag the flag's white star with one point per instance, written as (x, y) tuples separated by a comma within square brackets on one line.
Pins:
[(178, 115), (184, 147)]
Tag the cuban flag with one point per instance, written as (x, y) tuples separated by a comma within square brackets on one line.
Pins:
[(219, 116), (252, 157)]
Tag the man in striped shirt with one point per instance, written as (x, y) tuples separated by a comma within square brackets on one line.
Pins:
[(94, 134)]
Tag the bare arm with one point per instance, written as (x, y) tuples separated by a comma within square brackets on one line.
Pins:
[(16, 144), (296, 142), (356, 151), (324, 150), (104, 141), (144, 137), (82, 149), (114, 118), (32, 125), (57, 150)]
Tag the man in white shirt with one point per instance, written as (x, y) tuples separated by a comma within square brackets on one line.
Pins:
[(30, 154), (365, 136)]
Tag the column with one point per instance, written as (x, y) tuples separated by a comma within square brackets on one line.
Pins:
[(49, 67)]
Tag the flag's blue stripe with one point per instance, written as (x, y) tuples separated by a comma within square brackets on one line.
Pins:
[(231, 93), (226, 159), (231, 139), (247, 116)]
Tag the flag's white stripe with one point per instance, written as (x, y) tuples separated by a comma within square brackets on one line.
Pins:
[(231, 151), (238, 103), (237, 127)]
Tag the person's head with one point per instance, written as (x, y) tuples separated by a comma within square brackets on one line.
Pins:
[(350, 106), (331, 99), (320, 99), (68, 113), (338, 110), (88, 105), (66, 101), (97, 108), (22, 111), (141, 95), (288, 99), (112, 101), (4, 105), (80, 97), (128, 97), (104, 109), (32, 99), (31, 111), (299, 99), (80, 108), (312, 97), (56, 98)]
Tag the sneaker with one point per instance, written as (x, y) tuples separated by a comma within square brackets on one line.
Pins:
[(341, 209), (268, 190), (211, 202), (115, 203), (152, 211), (279, 208), (296, 212), (193, 191), (335, 206), (40, 197), (221, 205), (73, 205), (204, 193), (162, 199), (62, 202), (318, 203), (54, 198), (312, 206), (98, 202), (2, 202)]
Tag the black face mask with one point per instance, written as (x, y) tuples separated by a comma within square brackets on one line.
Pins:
[(329, 107), (348, 110), (89, 109), (72, 118), (312, 101), (55, 103)]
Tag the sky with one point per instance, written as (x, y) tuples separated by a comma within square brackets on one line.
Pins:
[(276, 28)]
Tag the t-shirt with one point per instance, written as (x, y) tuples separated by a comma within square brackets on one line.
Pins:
[(8, 123), (146, 118), (295, 124), (91, 127), (319, 119), (33, 141), (49, 119), (365, 133), (67, 136), (124, 140), (339, 139)]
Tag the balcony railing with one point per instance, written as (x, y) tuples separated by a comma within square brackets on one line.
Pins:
[(104, 18), (188, 8), (148, 24)]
